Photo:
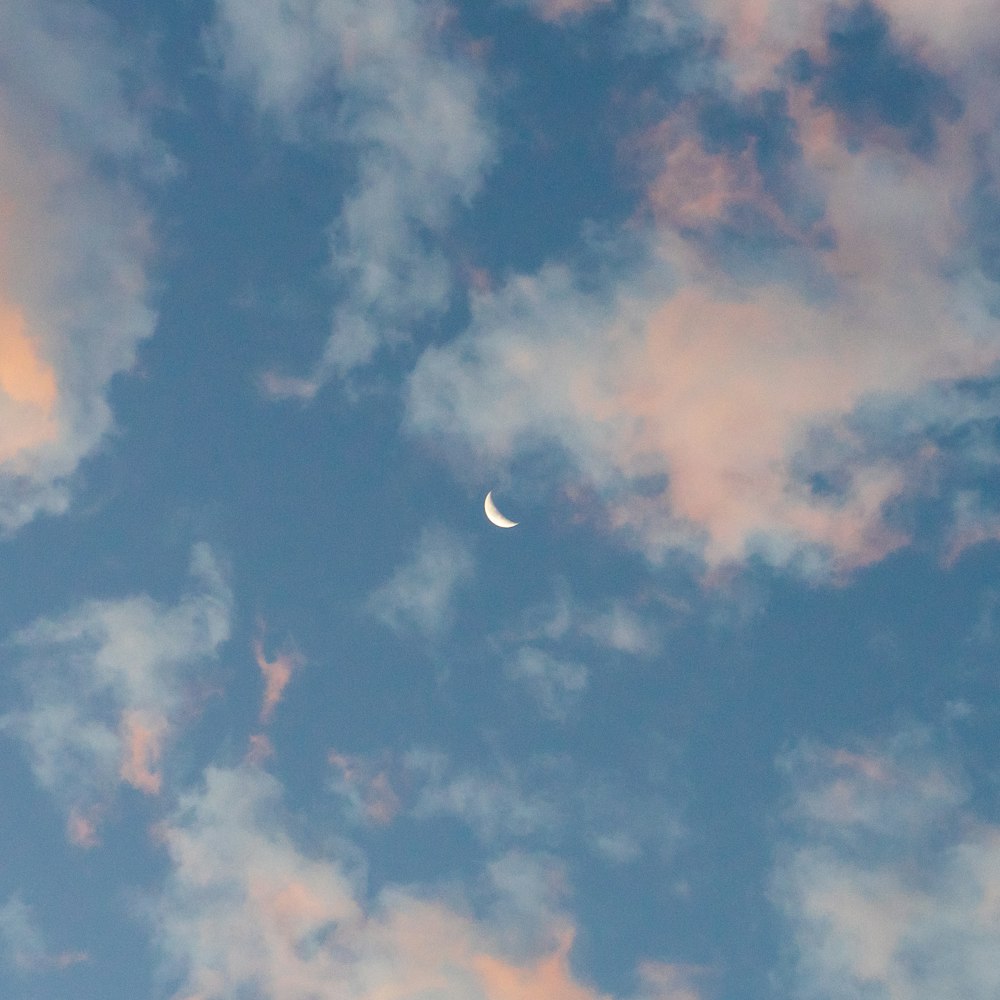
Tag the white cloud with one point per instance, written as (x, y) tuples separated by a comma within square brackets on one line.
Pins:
[(556, 685), (765, 396), (248, 911), (615, 624), (421, 593), (105, 686), (24, 944), (386, 81), (74, 244), (545, 800), (892, 887), (497, 807)]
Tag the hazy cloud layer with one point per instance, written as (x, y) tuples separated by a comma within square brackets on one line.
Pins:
[(74, 244), (106, 686)]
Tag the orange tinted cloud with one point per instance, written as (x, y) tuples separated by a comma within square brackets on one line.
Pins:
[(142, 745), (550, 978), (747, 395), (81, 828), (260, 749), (29, 385), (557, 10), (373, 787), (277, 673), (245, 910)]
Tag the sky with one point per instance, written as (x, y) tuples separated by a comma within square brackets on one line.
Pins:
[(707, 293)]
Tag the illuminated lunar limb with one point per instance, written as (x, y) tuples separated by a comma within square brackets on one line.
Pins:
[(494, 515)]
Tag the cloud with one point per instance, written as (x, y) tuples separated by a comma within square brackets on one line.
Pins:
[(247, 910), (890, 888), (106, 686), (556, 11), (615, 625), (420, 593), (547, 800), (805, 277), (74, 244), (367, 785), (277, 673), (24, 944), (393, 86), (556, 685)]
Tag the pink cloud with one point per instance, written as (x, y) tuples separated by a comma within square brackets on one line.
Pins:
[(81, 828), (142, 736), (277, 673), (559, 10), (116, 687), (29, 387), (74, 247), (261, 748), (274, 919), (547, 979), (361, 777), (722, 386)]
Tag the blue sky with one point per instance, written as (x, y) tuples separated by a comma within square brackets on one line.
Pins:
[(706, 292)]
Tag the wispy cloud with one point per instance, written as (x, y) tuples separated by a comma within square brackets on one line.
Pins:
[(74, 244), (105, 687), (392, 84), (367, 784), (24, 944), (421, 593), (276, 673), (556, 685), (545, 800), (890, 888), (557, 11)]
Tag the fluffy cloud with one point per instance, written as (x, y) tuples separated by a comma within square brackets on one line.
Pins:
[(420, 593), (74, 244), (808, 276), (387, 82), (248, 910), (891, 888), (105, 687)]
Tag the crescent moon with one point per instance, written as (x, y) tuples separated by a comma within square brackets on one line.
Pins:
[(494, 515)]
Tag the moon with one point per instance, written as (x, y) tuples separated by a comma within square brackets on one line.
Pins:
[(494, 515)]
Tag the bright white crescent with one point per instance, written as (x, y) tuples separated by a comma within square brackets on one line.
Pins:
[(494, 515)]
